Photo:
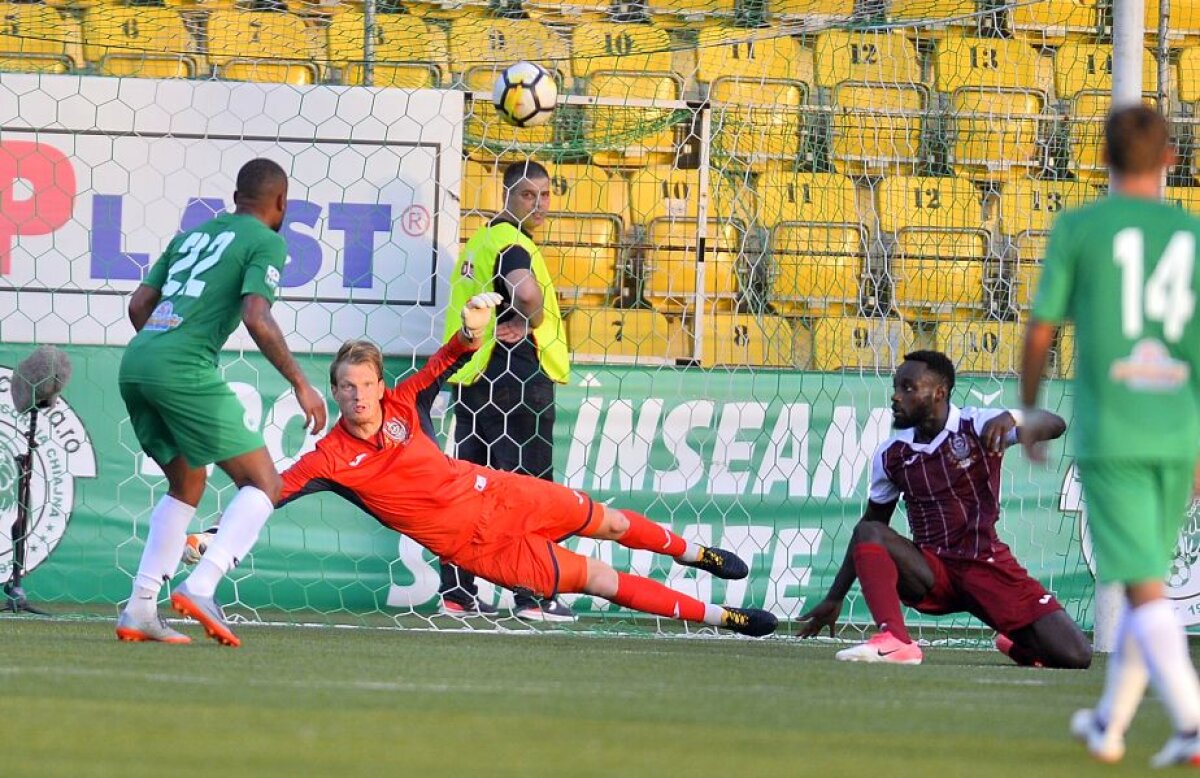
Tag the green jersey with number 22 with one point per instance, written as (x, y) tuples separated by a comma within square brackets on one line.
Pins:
[(203, 276), (1123, 270)]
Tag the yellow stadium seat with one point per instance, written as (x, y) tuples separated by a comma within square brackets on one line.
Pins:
[(664, 201), (587, 190), (1184, 20), (137, 41), (756, 122), (492, 44), (817, 243), (870, 56), (877, 127), (1030, 205), (1189, 75), (1029, 249), (408, 52), (1087, 67), (260, 46), (937, 265), (990, 347), (840, 9), (574, 12), (482, 189), (620, 335), (997, 134), (598, 47), (1186, 197), (1054, 21), (856, 343), (925, 10), (1064, 353), (984, 63), (750, 55), (691, 8), (36, 39), (738, 339), (632, 135), (581, 253)]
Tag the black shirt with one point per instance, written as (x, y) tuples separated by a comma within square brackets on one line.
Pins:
[(520, 360)]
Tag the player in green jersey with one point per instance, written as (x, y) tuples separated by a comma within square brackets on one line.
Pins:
[(1122, 269), (210, 279)]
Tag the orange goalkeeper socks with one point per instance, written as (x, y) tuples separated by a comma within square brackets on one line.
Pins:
[(647, 596), (647, 535)]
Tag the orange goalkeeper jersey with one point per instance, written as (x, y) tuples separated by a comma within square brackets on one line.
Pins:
[(401, 477)]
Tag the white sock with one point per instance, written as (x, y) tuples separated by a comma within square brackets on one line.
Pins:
[(1163, 643), (1125, 681), (691, 553), (714, 615), (164, 545), (236, 534)]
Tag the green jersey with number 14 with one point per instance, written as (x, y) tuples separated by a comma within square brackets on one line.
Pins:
[(203, 276), (1123, 270)]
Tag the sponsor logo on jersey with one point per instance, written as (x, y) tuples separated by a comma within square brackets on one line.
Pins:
[(396, 431), (1183, 570), (273, 278), (163, 318), (357, 460), (1150, 368), (64, 453)]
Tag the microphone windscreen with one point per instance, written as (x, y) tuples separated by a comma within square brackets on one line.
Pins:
[(40, 378)]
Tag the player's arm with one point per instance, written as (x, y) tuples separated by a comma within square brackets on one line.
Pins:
[(145, 298), (515, 266), (422, 387), (825, 613), (1000, 429), (310, 474)]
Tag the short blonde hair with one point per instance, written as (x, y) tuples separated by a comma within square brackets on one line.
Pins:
[(356, 352)]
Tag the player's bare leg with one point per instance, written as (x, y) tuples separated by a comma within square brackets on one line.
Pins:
[(633, 530), (139, 621), (1053, 641), (647, 596), (258, 490), (889, 566)]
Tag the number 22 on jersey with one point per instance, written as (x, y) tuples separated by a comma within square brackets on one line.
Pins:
[(1167, 296), (189, 284)]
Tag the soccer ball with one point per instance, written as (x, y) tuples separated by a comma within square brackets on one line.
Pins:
[(196, 545), (525, 94)]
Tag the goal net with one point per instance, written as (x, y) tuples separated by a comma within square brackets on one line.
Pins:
[(758, 206)]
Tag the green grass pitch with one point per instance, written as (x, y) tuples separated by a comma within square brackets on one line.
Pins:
[(346, 702)]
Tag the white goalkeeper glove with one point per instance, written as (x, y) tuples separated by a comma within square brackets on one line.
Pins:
[(196, 545), (477, 314)]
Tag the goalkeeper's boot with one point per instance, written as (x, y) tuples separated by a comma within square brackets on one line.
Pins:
[(1102, 744), (207, 611), (1181, 750), (883, 647), (153, 629), (719, 562), (749, 621)]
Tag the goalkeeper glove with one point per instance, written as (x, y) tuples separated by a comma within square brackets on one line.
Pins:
[(477, 314), (196, 545)]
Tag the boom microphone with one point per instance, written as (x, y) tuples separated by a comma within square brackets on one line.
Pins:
[(39, 379)]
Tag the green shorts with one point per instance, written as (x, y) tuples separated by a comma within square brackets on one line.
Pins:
[(202, 419), (1135, 511)]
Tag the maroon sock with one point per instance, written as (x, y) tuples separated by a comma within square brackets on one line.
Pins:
[(1023, 656), (878, 576)]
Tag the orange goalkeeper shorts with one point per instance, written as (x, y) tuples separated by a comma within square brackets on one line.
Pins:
[(515, 544)]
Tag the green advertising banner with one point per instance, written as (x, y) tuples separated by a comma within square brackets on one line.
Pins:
[(770, 464)]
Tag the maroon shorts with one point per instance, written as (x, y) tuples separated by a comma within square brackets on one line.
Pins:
[(1000, 593)]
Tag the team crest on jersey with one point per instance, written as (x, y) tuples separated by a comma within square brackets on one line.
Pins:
[(960, 449), (396, 430), (163, 318)]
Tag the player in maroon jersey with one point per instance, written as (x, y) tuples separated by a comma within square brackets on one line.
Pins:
[(383, 456), (945, 462)]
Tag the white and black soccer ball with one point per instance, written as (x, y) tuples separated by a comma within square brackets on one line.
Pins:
[(525, 94)]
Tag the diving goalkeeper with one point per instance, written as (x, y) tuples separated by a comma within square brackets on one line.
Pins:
[(383, 456)]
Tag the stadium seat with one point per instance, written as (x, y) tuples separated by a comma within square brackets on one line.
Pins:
[(409, 53), (691, 8), (606, 47), (587, 190), (36, 38), (757, 86), (581, 253), (664, 203), (260, 46), (946, 16), (990, 347), (491, 44), (1184, 20), (1064, 353), (817, 242), (1051, 22), (856, 343), (621, 335), (1189, 75), (878, 102), (482, 189), (1027, 212), (137, 41), (995, 107), (937, 264), (636, 135), (1083, 77), (1186, 197), (744, 340)]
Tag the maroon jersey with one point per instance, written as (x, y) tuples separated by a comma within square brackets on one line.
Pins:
[(950, 485)]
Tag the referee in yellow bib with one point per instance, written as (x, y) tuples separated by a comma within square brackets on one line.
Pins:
[(504, 409)]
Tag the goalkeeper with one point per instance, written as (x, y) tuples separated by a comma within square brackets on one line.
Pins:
[(383, 456)]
